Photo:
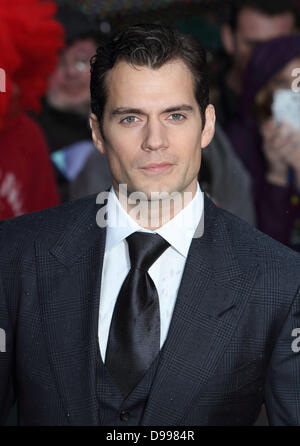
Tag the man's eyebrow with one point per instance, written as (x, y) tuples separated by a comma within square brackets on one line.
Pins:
[(181, 107), (126, 111), (138, 111)]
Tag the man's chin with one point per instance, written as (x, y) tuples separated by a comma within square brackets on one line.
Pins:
[(153, 193)]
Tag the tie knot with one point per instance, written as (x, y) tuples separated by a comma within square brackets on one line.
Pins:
[(145, 248)]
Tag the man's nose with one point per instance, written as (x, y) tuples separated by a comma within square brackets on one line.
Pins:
[(155, 136)]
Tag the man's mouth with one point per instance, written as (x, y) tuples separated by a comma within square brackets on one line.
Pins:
[(157, 168)]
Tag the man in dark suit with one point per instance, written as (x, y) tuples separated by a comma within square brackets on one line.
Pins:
[(110, 318)]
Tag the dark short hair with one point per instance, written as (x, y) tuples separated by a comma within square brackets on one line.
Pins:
[(267, 7), (149, 45)]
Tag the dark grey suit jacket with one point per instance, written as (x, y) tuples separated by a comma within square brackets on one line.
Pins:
[(229, 346)]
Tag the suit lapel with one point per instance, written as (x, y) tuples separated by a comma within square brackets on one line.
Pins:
[(212, 295), (69, 281)]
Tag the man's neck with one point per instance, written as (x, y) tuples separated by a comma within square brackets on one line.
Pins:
[(153, 213)]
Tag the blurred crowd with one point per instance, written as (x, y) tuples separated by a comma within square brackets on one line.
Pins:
[(251, 168)]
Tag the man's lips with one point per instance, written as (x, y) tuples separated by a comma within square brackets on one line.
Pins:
[(157, 167)]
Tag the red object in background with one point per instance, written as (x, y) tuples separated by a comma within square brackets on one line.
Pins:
[(30, 38), (26, 177)]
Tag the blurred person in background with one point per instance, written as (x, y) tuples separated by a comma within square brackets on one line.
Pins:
[(270, 147), (80, 169), (250, 23), (29, 42), (223, 176)]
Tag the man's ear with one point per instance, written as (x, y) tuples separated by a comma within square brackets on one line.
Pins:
[(227, 39), (209, 128), (96, 133)]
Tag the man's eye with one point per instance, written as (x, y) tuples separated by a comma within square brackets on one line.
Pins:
[(176, 117), (130, 119)]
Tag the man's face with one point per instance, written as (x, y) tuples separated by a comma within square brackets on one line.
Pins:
[(152, 128), (69, 85), (253, 28)]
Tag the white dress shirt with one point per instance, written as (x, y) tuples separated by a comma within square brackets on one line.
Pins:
[(166, 272)]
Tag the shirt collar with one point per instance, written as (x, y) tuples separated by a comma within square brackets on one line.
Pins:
[(120, 225)]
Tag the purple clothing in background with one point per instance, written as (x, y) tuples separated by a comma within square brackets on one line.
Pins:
[(276, 215)]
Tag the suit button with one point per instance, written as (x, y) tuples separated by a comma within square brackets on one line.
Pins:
[(124, 415)]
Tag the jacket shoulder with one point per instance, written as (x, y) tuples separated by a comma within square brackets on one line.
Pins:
[(46, 224), (251, 245)]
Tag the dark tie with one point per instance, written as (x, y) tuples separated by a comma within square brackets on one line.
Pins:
[(134, 335)]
